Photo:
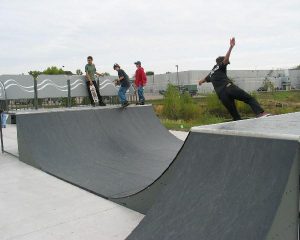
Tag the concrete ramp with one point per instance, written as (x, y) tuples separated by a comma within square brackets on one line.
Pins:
[(231, 181), (228, 188), (116, 153), (228, 181)]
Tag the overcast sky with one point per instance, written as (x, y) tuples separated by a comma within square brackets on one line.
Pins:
[(191, 33)]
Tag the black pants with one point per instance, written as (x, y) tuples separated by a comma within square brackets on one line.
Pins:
[(231, 93), (90, 94)]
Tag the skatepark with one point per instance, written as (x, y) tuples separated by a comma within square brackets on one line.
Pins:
[(149, 120), (237, 180)]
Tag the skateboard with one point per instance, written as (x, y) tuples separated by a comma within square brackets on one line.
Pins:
[(125, 106), (94, 94)]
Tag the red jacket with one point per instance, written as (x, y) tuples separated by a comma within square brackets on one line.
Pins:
[(140, 77)]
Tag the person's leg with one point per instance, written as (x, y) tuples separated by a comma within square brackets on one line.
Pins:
[(141, 94), (122, 95), (229, 103), (239, 94), (89, 93)]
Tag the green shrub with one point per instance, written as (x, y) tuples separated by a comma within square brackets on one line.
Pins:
[(189, 109), (179, 106), (172, 103), (214, 105), (268, 85)]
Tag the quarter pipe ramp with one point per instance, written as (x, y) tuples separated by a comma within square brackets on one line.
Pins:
[(229, 181)]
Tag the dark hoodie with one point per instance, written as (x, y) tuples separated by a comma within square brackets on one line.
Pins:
[(218, 77)]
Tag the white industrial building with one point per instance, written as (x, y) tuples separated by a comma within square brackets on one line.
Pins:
[(249, 80)]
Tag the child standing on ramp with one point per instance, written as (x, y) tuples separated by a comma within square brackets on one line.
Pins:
[(90, 71), (124, 85), (140, 82), (229, 92)]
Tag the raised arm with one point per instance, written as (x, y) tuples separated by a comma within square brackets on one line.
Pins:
[(227, 56), (200, 82)]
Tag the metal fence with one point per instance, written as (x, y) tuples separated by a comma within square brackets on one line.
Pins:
[(24, 92)]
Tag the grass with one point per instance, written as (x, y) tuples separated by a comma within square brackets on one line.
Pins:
[(290, 96), (208, 109), (182, 125)]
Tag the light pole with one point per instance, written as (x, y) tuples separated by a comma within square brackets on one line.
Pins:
[(177, 75)]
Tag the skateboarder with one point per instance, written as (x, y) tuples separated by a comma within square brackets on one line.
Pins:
[(227, 91), (124, 84), (140, 82), (90, 71)]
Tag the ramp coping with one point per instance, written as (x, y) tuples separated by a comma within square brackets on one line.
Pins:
[(285, 126), (83, 108)]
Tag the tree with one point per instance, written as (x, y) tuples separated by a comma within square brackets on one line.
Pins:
[(106, 74), (268, 85), (297, 68), (54, 71), (68, 73), (149, 73), (79, 72), (50, 71), (34, 73)]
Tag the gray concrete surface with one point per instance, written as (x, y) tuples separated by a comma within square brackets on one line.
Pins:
[(35, 205), (285, 126), (180, 135), (239, 184)]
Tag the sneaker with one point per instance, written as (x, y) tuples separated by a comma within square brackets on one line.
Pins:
[(102, 104), (263, 114), (125, 104)]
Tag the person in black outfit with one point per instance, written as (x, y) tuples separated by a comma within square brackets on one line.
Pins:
[(124, 84), (227, 91)]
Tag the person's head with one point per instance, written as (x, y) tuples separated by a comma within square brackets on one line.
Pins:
[(220, 59), (116, 67), (90, 59), (138, 64)]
